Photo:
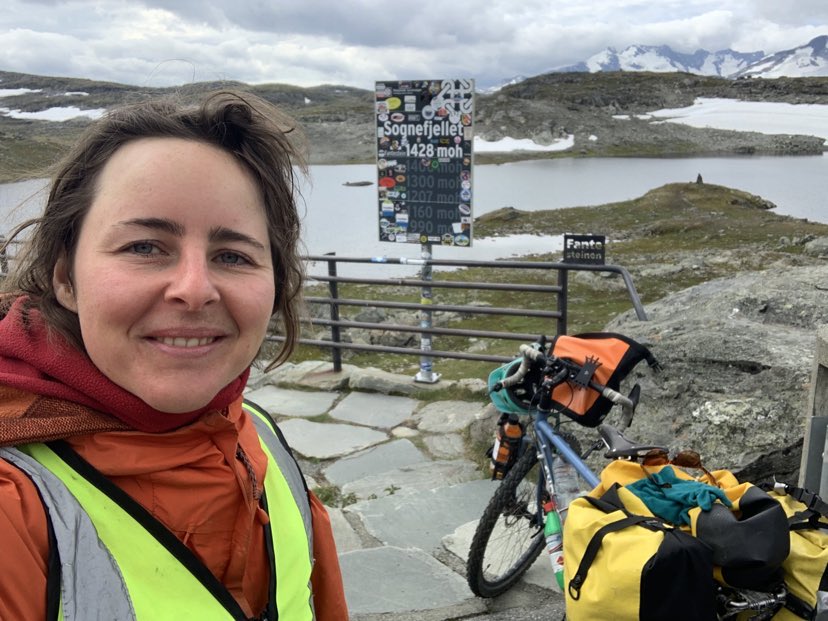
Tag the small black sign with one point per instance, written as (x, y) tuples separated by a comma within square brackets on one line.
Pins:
[(585, 249)]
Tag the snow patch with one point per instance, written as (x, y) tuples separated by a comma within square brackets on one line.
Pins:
[(751, 116), (54, 114), (521, 144), (11, 92)]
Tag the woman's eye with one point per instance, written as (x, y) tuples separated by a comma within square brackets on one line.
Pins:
[(232, 258), (142, 248)]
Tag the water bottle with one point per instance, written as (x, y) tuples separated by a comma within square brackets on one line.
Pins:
[(567, 487), (554, 543)]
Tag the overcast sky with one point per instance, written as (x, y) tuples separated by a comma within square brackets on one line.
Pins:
[(357, 42)]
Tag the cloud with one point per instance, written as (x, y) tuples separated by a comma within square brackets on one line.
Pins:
[(805, 13), (308, 42)]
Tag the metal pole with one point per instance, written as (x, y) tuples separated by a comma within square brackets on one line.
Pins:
[(823, 475), (426, 373), (336, 337), (563, 282)]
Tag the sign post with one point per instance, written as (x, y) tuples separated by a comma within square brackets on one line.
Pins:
[(424, 174), (426, 373)]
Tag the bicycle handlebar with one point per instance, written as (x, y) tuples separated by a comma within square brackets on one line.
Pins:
[(533, 355)]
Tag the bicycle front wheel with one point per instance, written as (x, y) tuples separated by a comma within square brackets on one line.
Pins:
[(509, 536)]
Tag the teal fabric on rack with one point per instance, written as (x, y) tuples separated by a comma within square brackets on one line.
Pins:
[(671, 498)]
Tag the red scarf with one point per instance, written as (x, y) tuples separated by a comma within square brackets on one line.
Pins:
[(43, 363)]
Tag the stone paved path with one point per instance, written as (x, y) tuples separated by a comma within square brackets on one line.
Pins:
[(413, 495)]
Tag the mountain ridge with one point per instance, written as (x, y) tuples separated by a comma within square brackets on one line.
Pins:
[(805, 60), (341, 125)]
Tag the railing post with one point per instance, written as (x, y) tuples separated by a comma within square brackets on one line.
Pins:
[(336, 352), (563, 282), (426, 373), (813, 471)]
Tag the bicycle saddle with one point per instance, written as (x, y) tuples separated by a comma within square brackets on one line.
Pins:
[(619, 445)]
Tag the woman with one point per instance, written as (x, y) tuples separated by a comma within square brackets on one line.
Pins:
[(134, 483)]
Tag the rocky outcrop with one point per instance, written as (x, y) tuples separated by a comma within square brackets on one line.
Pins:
[(737, 356)]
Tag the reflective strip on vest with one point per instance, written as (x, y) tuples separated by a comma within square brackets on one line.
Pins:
[(104, 551), (285, 489), (90, 578)]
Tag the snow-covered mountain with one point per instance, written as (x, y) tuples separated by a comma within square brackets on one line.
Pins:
[(661, 58), (810, 59)]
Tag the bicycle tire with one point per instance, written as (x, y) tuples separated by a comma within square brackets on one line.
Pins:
[(521, 540)]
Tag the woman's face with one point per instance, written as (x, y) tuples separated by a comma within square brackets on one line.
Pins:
[(172, 278)]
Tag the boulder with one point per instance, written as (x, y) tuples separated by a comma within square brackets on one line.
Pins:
[(737, 356), (817, 247)]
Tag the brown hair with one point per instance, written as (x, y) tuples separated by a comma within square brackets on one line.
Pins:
[(242, 124)]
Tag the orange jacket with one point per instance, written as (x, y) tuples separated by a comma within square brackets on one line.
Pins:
[(190, 480)]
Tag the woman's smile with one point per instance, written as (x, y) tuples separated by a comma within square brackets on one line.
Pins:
[(187, 343)]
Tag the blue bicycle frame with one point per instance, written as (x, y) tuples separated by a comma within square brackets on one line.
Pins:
[(546, 438)]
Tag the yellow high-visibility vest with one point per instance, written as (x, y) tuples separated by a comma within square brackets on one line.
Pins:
[(116, 561)]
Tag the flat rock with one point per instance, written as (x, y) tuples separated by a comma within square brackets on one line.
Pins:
[(394, 580), (327, 440), (325, 378), (388, 456), (421, 519), (294, 403), (428, 475), (447, 416), (372, 379), (459, 541), (347, 539), (290, 373), (539, 573), (448, 445), (374, 410)]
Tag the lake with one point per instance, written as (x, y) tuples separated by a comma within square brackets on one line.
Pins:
[(344, 219)]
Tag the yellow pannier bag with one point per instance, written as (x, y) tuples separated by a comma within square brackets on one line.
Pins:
[(622, 563), (806, 568), (749, 540)]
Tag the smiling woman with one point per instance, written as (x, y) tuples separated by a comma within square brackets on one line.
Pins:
[(171, 288), (167, 244)]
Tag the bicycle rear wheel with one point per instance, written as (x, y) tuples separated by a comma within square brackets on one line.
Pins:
[(509, 536)]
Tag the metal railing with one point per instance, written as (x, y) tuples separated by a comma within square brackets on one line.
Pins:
[(558, 310)]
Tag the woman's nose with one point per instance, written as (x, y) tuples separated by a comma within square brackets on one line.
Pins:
[(192, 283)]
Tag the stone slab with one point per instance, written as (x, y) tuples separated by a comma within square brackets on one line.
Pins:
[(325, 378), (328, 440), (374, 410), (294, 403), (381, 381), (347, 539), (388, 456), (422, 519), (539, 574), (459, 542), (446, 445), (290, 373), (427, 475), (396, 580), (447, 416)]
